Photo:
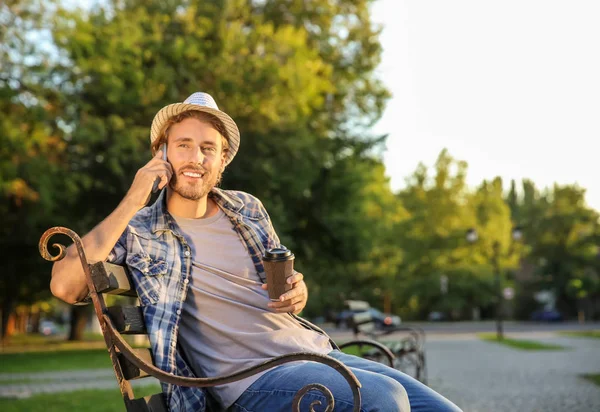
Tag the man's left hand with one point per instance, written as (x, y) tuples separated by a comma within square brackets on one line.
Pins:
[(293, 300)]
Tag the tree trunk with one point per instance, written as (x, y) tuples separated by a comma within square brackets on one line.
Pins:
[(35, 319), (8, 306), (79, 317), (23, 319)]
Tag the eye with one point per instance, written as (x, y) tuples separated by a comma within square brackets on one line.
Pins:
[(184, 145), (210, 148)]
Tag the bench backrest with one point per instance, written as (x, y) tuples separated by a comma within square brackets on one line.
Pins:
[(362, 320), (127, 320)]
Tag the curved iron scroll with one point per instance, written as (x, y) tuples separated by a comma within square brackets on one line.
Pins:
[(43, 247), (43, 244), (163, 376), (381, 347), (97, 300), (306, 389)]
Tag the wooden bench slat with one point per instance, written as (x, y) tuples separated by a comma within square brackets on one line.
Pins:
[(130, 371), (151, 403), (128, 320), (111, 279)]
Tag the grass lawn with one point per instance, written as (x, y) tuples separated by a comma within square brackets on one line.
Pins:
[(583, 334), (520, 343), (88, 400), (55, 360), (352, 350), (37, 353), (593, 377), (20, 343)]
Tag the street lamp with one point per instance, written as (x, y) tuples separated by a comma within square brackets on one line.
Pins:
[(516, 236)]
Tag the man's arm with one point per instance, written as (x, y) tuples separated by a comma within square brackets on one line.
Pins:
[(68, 278)]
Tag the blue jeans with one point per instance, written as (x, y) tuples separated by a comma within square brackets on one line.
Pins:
[(383, 389)]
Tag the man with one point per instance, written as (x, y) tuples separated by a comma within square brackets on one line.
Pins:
[(195, 259)]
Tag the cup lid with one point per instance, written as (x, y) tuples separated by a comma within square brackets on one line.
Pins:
[(277, 253)]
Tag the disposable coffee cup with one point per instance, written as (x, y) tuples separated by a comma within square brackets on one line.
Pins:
[(279, 265)]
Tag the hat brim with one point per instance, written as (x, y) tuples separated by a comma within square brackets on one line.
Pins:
[(164, 114)]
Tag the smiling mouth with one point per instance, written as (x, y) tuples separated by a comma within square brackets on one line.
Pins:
[(193, 175)]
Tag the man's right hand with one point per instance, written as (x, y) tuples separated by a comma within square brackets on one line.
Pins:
[(68, 279), (141, 188)]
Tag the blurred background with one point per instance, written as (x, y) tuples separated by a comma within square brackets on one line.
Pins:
[(433, 158)]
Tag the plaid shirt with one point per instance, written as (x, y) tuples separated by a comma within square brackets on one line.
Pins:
[(159, 260)]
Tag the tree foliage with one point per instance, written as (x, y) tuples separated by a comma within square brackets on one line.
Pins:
[(299, 79), (34, 181)]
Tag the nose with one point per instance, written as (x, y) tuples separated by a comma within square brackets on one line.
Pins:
[(199, 156)]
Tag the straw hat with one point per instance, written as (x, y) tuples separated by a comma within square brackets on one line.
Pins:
[(202, 102)]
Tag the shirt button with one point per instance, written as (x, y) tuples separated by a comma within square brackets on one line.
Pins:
[(173, 343), (179, 311), (187, 253), (186, 281)]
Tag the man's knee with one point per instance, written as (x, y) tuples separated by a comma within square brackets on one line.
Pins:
[(386, 395)]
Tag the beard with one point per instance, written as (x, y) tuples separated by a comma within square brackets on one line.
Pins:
[(195, 190)]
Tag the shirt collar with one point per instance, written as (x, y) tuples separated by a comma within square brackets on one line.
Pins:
[(162, 219)]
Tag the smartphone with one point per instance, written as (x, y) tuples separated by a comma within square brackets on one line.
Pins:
[(163, 148)]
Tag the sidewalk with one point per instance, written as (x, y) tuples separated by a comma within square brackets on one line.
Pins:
[(486, 376)]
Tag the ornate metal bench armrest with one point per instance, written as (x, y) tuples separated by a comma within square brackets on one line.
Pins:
[(163, 376), (381, 347), (114, 339)]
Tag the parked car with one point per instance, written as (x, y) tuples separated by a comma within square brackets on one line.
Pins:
[(436, 316), (382, 320), (341, 319), (546, 315), (385, 320)]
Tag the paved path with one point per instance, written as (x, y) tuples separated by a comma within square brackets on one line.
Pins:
[(29, 384), (484, 376), (478, 376)]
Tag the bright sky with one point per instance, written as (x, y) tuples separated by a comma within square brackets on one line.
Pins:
[(512, 87)]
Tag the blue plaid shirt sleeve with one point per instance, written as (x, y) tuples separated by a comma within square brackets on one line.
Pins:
[(116, 256), (119, 252)]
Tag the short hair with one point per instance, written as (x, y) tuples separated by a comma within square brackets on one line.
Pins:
[(191, 114)]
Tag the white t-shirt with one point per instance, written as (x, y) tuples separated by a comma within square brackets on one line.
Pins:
[(226, 325)]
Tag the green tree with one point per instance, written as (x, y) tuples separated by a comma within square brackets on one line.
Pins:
[(298, 77), (563, 233), (433, 237), (433, 240), (34, 184)]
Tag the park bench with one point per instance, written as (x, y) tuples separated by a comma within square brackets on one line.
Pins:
[(136, 363), (406, 343)]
